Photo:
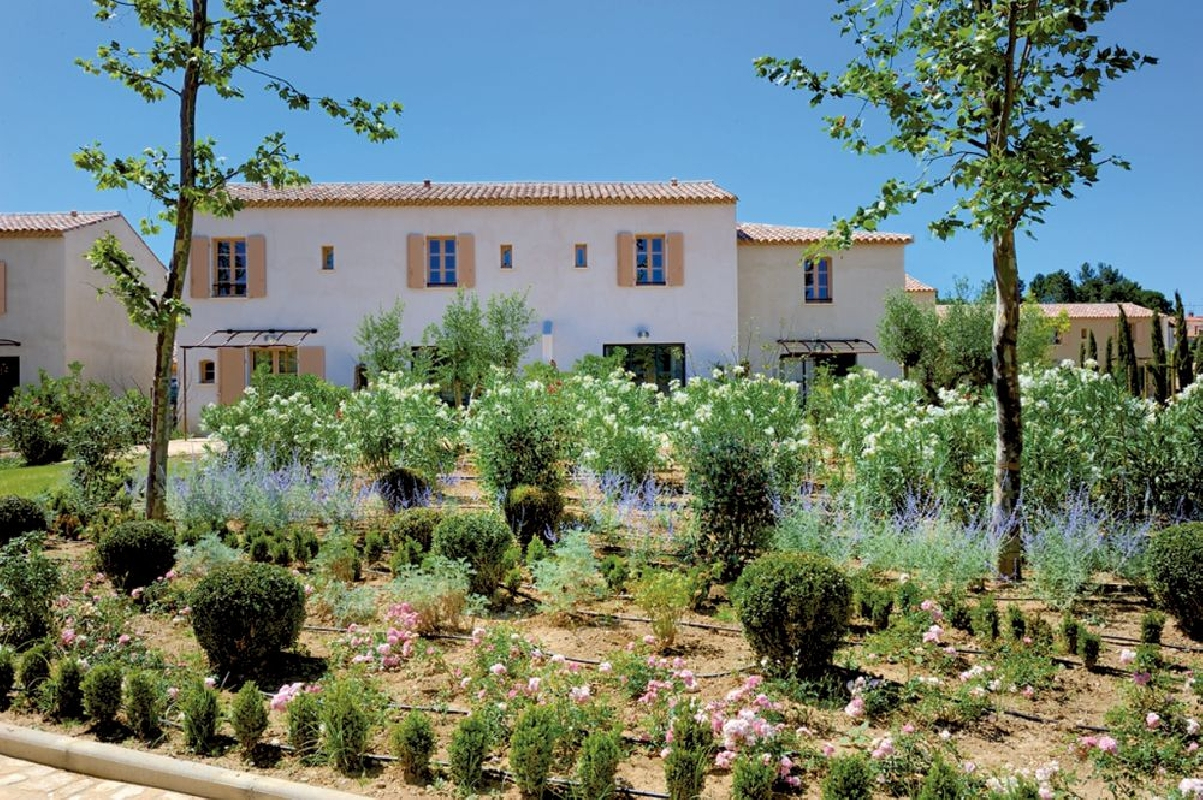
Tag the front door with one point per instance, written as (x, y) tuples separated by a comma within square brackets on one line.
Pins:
[(10, 377)]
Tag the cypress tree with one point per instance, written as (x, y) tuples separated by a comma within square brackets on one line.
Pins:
[(1157, 367), (1107, 362), (1092, 349), (1199, 355), (1183, 362), (1127, 353), (1082, 354)]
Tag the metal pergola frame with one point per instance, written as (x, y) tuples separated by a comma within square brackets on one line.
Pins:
[(807, 348), (237, 337), (9, 343)]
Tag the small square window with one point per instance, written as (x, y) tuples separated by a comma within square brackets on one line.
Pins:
[(1083, 333), (328, 258), (582, 256), (208, 372), (507, 256)]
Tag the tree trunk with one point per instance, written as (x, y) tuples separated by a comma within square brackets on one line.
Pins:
[(1009, 425), (161, 417)]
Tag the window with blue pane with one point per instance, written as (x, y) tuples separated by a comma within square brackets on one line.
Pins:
[(440, 251), (229, 273), (649, 261), (818, 280)]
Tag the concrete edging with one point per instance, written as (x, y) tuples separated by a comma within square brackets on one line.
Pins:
[(116, 763)]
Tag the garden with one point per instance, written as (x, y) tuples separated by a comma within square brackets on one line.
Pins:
[(578, 586)]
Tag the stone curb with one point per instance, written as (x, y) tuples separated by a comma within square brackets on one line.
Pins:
[(112, 762)]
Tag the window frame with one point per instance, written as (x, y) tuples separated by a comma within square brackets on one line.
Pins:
[(507, 256), (638, 357), (580, 256), (276, 357), (816, 281), (327, 264), (443, 256), (209, 365), (646, 275), (232, 285)]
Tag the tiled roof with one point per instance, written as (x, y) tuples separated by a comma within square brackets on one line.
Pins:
[(484, 194), (912, 285), (1095, 310), (50, 224), (760, 233)]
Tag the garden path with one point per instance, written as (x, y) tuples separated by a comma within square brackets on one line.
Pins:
[(24, 780)]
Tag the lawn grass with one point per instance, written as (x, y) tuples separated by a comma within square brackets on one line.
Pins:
[(32, 481)]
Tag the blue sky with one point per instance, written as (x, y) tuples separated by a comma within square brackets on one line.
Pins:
[(615, 90)]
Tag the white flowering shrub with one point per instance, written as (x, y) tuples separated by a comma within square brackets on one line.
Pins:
[(398, 423), (517, 434), (615, 423), (276, 427)]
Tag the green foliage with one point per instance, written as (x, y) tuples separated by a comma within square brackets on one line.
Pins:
[(102, 693), (201, 717), (145, 703), (99, 439), (34, 669), (416, 525), (1094, 284), (338, 558), (437, 591), (8, 676), (943, 782), (469, 341), (480, 538), (39, 416), (1071, 631), (413, 742), (569, 578), (1157, 366), (19, 515), (347, 725), (533, 511), (731, 481), (665, 596), (1184, 362), (248, 716), (848, 778), (532, 747), (615, 570), (615, 423), (279, 429), (304, 727), (398, 422), (1017, 623), (64, 692), (470, 745), (688, 756), (1128, 374), (1090, 645), (596, 766), (403, 488), (1152, 623), (1176, 575), (794, 608), (28, 584), (373, 547), (136, 553), (244, 613), (517, 433), (379, 338), (752, 778)]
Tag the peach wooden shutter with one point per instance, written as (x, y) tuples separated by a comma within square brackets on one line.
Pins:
[(198, 262), (415, 261), (465, 258), (626, 259), (231, 374), (256, 265), (3, 287), (311, 360), (675, 275)]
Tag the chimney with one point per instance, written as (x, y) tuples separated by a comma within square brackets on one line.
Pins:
[(426, 183), (674, 181), (74, 213)]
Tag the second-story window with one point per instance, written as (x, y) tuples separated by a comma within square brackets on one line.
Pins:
[(817, 276), (649, 260), (440, 261), (507, 256), (229, 268)]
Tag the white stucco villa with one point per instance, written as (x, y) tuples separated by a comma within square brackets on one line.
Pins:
[(662, 269), (50, 313)]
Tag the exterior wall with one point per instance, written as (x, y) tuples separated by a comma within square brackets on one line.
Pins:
[(772, 300), (925, 299), (35, 314), (99, 333), (586, 307), (1072, 339)]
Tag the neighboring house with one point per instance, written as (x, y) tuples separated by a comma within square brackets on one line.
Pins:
[(919, 292), (50, 313), (660, 269), (1102, 319)]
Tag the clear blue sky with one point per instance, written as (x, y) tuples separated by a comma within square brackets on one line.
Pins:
[(615, 90)]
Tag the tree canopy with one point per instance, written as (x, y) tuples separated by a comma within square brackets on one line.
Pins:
[(1099, 284)]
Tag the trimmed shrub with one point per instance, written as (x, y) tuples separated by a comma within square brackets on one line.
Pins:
[(403, 488), (346, 725), (19, 515), (102, 693), (752, 778), (413, 742), (201, 717), (616, 572), (731, 481), (64, 692), (688, 757), (481, 538), (794, 608), (848, 778), (8, 676), (533, 511), (260, 549), (1175, 561), (28, 584), (248, 717), (305, 727), (531, 748), (373, 547), (244, 613), (134, 554), (144, 705), (985, 621), (664, 596), (1090, 645), (1017, 623), (34, 668), (1151, 626), (339, 558), (467, 753), (595, 770), (1071, 631), (415, 525)]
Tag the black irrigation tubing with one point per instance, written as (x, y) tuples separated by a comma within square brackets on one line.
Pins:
[(1129, 640), (1046, 721), (685, 623)]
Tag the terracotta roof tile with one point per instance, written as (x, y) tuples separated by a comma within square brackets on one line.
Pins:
[(1095, 310), (494, 193), (912, 285), (761, 233), (50, 224)]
